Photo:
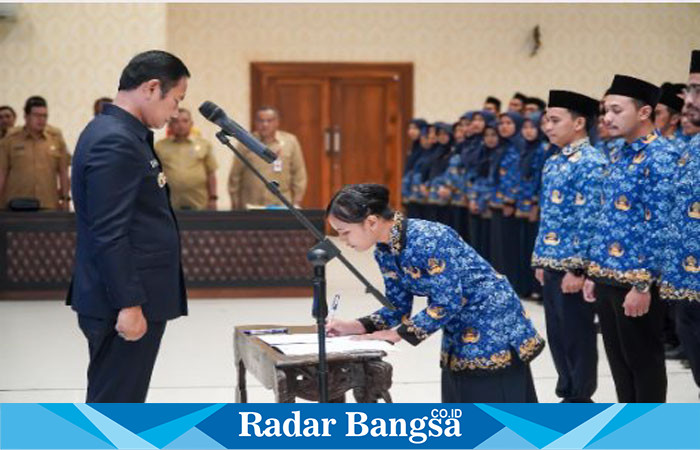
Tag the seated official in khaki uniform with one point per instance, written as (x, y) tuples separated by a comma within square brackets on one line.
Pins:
[(34, 161), (189, 165), (288, 170)]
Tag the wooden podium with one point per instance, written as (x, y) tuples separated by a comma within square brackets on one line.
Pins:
[(290, 377)]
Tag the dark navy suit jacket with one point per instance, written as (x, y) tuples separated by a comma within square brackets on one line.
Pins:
[(128, 245)]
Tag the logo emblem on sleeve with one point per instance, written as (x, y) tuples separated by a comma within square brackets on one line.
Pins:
[(622, 203), (615, 250), (551, 238), (557, 197), (691, 265), (471, 336), (694, 210)]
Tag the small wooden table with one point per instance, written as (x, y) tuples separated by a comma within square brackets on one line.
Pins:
[(289, 377)]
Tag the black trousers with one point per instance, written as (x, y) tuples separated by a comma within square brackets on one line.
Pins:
[(505, 245), (634, 346), (688, 325), (527, 284), (459, 220), (511, 385), (119, 371), (479, 232), (671, 338), (571, 335)]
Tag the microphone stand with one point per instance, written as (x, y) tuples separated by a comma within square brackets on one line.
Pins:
[(319, 255)]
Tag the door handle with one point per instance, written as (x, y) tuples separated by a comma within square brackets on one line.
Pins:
[(327, 140), (336, 139)]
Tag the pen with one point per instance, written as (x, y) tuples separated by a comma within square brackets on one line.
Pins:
[(265, 331), (334, 306)]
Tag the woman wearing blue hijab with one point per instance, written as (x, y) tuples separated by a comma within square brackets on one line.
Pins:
[(480, 189), (532, 157), (468, 156), (412, 180), (505, 175), (437, 206)]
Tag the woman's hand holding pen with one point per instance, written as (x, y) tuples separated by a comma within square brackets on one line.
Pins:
[(337, 327)]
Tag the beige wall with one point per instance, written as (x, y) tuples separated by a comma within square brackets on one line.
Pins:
[(73, 54), (461, 52)]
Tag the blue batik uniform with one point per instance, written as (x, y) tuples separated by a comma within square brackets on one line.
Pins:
[(609, 146), (681, 268), (636, 199), (507, 181), (531, 183), (455, 181), (570, 200), (483, 322)]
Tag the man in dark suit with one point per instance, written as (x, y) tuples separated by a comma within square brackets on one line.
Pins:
[(127, 282)]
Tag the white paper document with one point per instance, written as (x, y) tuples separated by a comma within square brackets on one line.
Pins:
[(307, 344)]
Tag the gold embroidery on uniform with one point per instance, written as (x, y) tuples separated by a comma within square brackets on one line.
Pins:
[(580, 199), (616, 250), (634, 276), (557, 197), (639, 157), (436, 312), (436, 266), (471, 336), (691, 265), (551, 238), (694, 210), (622, 203), (414, 272)]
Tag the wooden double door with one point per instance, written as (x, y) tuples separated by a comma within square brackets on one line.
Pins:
[(349, 118)]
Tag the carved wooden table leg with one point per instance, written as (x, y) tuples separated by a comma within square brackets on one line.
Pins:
[(283, 394), (377, 383), (241, 391)]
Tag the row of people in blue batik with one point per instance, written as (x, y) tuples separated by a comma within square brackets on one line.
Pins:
[(619, 212)]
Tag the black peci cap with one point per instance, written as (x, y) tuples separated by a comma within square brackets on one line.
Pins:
[(574, 101), (635, 88)]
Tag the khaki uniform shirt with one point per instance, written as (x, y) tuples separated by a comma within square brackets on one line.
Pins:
[(187, 164), (289, 171), (32, 166)]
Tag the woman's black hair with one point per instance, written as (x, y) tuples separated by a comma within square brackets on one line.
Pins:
[(355, 202)]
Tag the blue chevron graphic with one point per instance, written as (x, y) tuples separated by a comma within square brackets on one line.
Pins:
[(72, 414), (536, 434), (117, 434), (162, 435), (195, 439), (29, 426), (505, 439), (668, 426), (629, 413), (582, 435)]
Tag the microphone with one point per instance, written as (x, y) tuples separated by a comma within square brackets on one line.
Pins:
[(217, 115)]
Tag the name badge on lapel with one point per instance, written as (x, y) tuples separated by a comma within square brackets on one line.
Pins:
[(162, 181), (277, 165)]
